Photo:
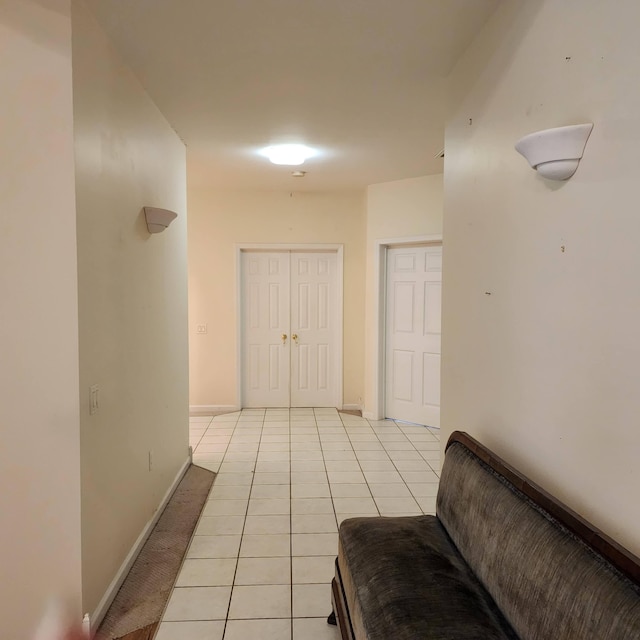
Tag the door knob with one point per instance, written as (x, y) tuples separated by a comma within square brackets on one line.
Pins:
[(284, 338), (294, 337)]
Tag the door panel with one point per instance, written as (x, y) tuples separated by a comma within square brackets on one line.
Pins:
[(265, 356), (414, 283), (313, 311)]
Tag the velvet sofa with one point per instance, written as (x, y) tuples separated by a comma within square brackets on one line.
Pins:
[(502, 559)]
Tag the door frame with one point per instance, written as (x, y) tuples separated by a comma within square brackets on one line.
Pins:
[(338, 249), (380, 324)]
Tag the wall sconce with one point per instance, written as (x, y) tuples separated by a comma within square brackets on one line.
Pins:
[(555, 153), (158, 219)]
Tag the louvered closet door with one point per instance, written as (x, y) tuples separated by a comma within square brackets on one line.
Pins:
[(292, 294)]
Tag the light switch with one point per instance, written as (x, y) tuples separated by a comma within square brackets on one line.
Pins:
[(94, 400)]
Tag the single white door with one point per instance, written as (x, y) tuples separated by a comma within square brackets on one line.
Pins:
[(313, 329), (413, 313), (265, 329), (289, 329)]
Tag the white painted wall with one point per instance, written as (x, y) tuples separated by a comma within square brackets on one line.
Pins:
[(545, 369), (220, 219), (39, 420), (132, 304), (399, 209)]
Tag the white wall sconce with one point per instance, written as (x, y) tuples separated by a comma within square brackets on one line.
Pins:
[(158, 219), (555, 153)]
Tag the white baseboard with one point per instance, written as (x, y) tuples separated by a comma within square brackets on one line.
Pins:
[(104, 604), (351, 407), (209, 409)]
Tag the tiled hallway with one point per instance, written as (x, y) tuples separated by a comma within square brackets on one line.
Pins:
[(261, 561)]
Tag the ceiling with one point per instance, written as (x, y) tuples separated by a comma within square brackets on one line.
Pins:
[(361, 81)]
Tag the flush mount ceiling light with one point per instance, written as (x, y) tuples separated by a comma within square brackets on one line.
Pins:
[(288, 154), (555, 153)]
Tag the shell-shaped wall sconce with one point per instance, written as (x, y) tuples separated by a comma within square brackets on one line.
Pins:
[(555, 153), (158, 219)]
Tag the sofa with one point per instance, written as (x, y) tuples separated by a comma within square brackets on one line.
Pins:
[(502, 559)]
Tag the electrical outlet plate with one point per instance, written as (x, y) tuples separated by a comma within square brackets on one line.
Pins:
[(201, 328)]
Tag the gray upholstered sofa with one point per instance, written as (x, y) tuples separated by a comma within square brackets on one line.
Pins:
[(502, 559)]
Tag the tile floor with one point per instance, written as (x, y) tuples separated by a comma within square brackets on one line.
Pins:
[(260, 564)]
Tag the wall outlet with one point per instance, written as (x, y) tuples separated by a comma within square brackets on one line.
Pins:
[(94, 399), (201, 328)]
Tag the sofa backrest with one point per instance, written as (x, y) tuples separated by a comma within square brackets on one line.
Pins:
[(548, 582)]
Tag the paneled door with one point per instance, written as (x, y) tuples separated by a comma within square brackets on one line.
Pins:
[(412, 350), (289, 329)]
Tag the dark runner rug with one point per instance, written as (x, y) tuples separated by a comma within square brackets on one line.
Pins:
[(140, 602)]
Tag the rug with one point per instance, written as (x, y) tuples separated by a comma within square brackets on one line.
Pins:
[(142, 597)]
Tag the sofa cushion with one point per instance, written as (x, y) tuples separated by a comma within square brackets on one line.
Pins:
[(405, 580)]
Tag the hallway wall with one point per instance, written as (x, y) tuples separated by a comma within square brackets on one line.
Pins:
[(132, 289), (545, 369), (39, 412)]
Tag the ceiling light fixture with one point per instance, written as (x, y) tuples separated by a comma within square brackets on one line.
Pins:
[(288, 154)]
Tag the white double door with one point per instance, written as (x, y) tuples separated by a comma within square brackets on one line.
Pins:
[(413, 318), (290, 317)]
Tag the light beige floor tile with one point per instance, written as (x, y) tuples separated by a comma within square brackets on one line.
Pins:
[(207, 464), (272, 601), (380, 477), (412, 465), (304, 437), (423, 490), (237, 467), (310, 490), (345, 477), (325, 436), (241, 456), (264, 629), (271, 478), (233, 479), (314, 629), (337, 446), (350, 491), (198, 603), (230, 492), (363, 437), (272, 467), (308, 477), (354, 505), (198, 458), (216, 572), (405, 455), (342, 465), (377, 465), (269, 506), (429, 455), (314, 544), (220, 507), (275, 570), (220, 525), (258, 525), (298, 466), (270, 491), (312, 569), (392, 490), (367, 446), (274, 452), (311, 505), (339, 455), (276, 437), (306, 455), (265, 546), (191, 630), (313, 524), (305, 446), (419, 476), (396, 505), (214, 547), (311, 600)]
